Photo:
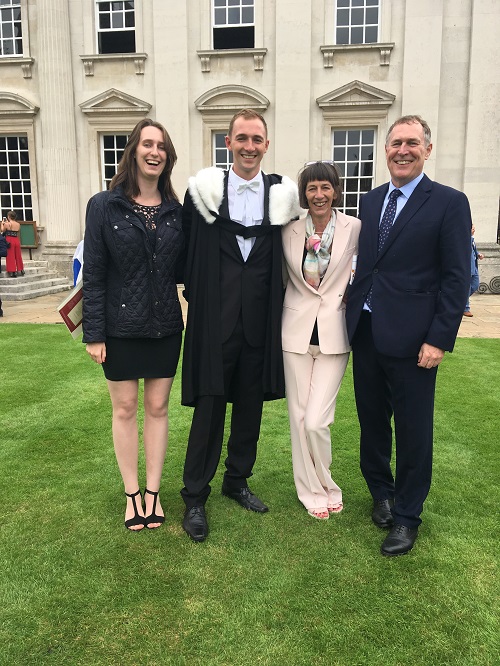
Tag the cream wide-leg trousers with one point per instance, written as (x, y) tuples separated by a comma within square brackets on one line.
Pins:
[(312, 384)]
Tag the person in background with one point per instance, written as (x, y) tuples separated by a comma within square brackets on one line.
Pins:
[(319, 249), (404, 308), (474, 270), (77, 262), (132, 320), (10, 228)]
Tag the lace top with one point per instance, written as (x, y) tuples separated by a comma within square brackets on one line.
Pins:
[(148, 216)]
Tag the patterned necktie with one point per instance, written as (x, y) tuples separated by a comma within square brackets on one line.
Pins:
[(383, 230), (387, 218), (252, 185)]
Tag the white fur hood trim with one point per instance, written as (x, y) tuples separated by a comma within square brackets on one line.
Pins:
[(207, 190), (283, 202)]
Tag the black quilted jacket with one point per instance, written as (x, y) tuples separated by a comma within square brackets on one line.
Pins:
[(129, 291)]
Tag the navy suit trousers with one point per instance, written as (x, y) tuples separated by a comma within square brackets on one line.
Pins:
[(387, 386)]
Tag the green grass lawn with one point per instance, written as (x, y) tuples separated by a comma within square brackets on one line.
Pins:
[(274, 589)]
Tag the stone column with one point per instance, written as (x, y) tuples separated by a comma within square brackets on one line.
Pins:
[(58, 172)]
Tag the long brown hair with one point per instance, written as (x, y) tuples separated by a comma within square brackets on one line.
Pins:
[(126, 173)]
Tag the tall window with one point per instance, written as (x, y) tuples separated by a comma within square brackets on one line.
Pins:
[(15, 183), (234, 24), (222, 156), (357, 21), (115, 26), (112, 146), (353, 152), (11, 35)]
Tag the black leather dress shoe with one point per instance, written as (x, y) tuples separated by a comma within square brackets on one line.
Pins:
[(381, 513), (399, 541), (195, 523), (246, 498)]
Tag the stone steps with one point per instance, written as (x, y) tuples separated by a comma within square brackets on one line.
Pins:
[(38, 280)]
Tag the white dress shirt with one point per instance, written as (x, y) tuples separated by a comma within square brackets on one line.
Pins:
[(245, 207)]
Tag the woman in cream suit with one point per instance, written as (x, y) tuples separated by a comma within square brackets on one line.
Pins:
[(319, 249)]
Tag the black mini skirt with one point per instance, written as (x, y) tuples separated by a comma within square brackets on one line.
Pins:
[(142, 358)]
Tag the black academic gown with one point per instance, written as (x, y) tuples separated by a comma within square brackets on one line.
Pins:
[(202, 368)]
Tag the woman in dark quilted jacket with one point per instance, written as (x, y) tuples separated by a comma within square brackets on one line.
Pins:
[(132, 319)]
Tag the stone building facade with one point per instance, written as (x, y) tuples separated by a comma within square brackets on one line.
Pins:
[(329, 76)]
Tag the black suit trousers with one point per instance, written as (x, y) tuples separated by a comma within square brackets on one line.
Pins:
[(243, 369), (385, 386)]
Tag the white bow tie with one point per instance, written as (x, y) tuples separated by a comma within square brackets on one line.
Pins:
[(252, 185)]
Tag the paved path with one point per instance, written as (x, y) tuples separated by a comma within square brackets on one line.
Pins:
[(43, 310)]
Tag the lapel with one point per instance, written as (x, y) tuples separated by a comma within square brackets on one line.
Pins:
[(297, 236), (224, 211), (372, 212), (260, 239), (419, 196)]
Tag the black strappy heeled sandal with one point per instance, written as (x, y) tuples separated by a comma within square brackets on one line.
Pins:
[(137, 519), (153, 518)]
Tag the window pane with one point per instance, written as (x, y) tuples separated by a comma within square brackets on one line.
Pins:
[(234, 3), (247, 15), (351, 200), (104, 21), (366, 153), (233, 16), (371, 35), (372, 16), (220, 141), (339, 138), (342, 35), (117, 20), (129, 20), (220, 17), (219, 3), (367, 136), (357, 17), (353, 137), (357, 36), (338, 154), (343, 17), (358, 3), (117, 42), (342, 3)]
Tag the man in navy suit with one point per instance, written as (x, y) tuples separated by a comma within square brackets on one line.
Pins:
[(403, 312)]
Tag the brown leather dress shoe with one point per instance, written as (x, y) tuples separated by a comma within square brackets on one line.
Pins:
[(468, 313)]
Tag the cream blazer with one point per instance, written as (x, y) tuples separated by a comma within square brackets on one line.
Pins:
[(304, 305)]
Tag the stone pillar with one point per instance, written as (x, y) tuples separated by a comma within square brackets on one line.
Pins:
[(58, 174)]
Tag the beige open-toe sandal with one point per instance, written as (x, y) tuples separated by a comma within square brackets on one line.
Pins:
[(321, 513)]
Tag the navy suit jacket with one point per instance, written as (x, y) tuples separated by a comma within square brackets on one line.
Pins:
[(421, 277)]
